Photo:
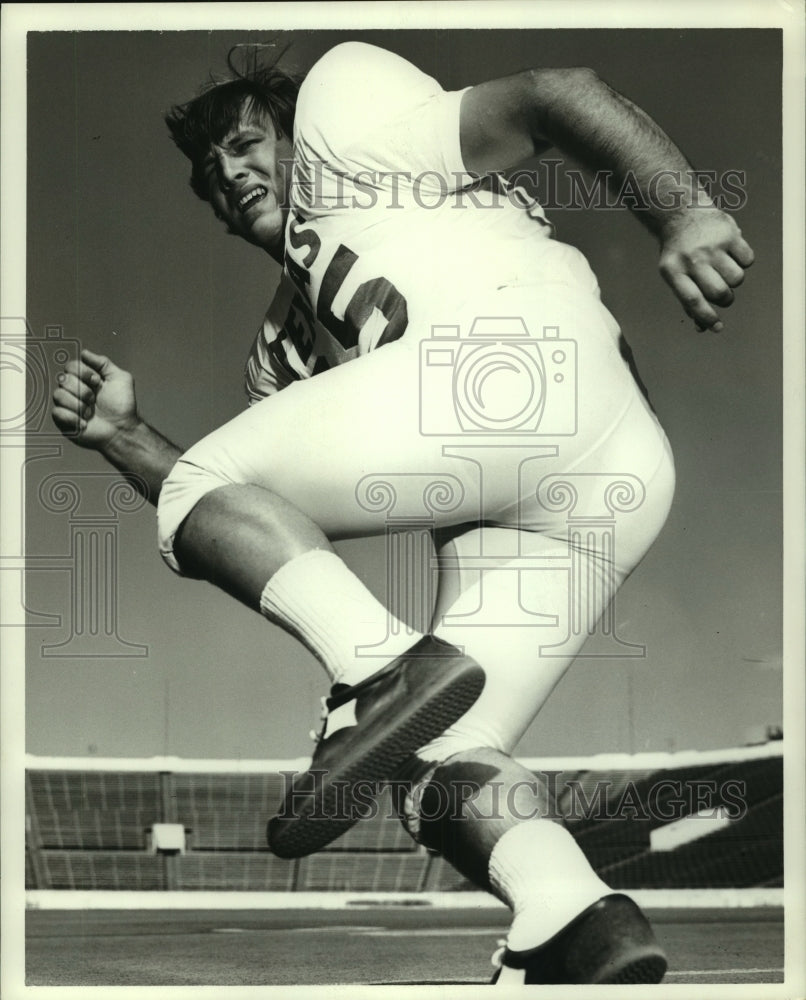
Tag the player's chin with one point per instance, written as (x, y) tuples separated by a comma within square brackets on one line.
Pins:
[(263, 232)]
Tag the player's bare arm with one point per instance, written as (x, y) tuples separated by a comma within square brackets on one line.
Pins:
[(703, 255), (96, 407)]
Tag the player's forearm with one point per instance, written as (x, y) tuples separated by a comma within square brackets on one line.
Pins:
[(581, 115), (143, 456)]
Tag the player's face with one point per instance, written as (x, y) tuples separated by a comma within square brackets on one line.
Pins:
[(249, 177)]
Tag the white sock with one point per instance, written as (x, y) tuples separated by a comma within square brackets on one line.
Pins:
[(538, 868), (322, 602)]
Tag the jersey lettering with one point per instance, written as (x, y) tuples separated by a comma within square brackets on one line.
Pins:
[(299, 237), (335, 275), (380, 294), (376, 293), (299, 327)]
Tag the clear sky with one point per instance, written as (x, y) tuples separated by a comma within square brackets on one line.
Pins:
[(124, 259)]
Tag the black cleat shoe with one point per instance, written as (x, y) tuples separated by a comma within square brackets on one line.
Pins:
[(370, 730), (611, 942)]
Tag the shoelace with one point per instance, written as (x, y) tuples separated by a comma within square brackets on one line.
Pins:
[(318, 737), (497, 958)]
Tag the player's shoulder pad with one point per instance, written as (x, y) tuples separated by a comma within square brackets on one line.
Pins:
[(346, 57)]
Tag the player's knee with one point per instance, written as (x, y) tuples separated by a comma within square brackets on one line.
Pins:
[(187, 484)]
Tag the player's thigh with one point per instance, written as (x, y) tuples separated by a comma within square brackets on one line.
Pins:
[(502, 610), (523, 603), (344, 447), (597, 452), (530, 386)]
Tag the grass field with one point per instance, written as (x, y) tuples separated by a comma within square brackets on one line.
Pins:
[(370, 945)]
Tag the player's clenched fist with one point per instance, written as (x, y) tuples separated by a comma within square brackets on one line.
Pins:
[(94, 400), (703, 258)]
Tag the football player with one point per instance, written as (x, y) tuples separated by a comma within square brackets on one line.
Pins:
[(428, 329)]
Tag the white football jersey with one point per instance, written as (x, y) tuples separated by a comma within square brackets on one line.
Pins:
[(388, 234)]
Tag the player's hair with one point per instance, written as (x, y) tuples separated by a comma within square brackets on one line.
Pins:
[(262, 90)]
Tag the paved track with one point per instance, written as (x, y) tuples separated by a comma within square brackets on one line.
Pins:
[(357, 945)]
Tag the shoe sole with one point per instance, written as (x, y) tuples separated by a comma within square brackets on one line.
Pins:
[(647, 968), (335, 809), (610, 943), (636, 957)]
